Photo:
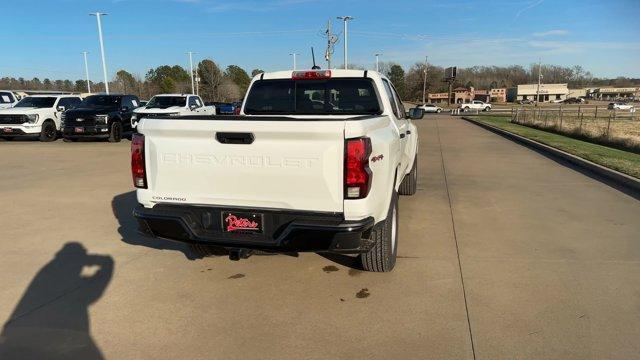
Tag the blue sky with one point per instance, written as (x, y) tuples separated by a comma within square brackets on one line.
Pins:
[(45, 38)]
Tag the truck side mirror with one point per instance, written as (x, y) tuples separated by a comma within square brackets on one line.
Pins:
[(61, 108), (192, 106), (416, 113)]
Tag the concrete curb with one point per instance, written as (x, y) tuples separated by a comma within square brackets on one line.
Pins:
[(619, 178)]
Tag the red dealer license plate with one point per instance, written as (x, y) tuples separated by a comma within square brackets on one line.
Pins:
[(79, 130), (241, 222)]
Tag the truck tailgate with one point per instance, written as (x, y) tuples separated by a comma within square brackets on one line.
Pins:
[(290, 164)]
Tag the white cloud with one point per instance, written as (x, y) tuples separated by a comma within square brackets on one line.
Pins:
[(556, 32)]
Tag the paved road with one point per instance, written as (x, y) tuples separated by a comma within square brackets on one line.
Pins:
[(549, 260)]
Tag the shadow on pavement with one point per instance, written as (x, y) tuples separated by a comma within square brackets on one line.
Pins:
[(350, 261), (122, 206), (51, 320)]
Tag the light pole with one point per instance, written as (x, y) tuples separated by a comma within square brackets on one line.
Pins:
[(294, 60), (86, 71), (377, 63), (539, 81), (193, 88), (104, 62), (424, 84), (345, 19)]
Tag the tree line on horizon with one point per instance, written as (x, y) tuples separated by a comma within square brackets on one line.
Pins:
[(231, 83)]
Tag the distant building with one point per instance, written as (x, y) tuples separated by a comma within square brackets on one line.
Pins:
[(438, 97), (482, 95), (547, 92), (498, 95), (576, 93), (461, 95), (613, 93)]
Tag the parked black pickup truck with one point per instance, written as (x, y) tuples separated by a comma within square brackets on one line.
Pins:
[(100, 116)]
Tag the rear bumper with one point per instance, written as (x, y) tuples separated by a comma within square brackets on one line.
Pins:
[(284, 231), (87, 131)]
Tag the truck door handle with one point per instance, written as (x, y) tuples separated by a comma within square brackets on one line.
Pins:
[(234, 137)]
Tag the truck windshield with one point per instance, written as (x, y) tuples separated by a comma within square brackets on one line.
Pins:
[(37, 102), (163, 102), (102, 101), (338, 96), (6, 98)]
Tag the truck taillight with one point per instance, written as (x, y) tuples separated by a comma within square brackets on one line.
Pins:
[(138, 171), (357, 175)]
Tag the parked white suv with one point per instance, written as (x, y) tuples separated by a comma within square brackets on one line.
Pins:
[(37, 115), (171, 105), (476, 105), (315, 162), (8, 99)]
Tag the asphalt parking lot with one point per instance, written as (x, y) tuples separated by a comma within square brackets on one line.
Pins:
[(504, 253)]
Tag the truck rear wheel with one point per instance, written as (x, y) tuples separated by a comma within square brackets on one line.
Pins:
[(409, 184), (382, 258)]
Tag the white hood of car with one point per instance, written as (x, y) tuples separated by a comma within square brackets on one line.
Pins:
[(168, 110), (20, 110)]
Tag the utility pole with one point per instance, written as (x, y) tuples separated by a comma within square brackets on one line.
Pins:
[(345, 19), (294, 60), (377, 62), (539, 81), (193, 87), (86, 71), (104, 62), (424, 83), (332, 39)]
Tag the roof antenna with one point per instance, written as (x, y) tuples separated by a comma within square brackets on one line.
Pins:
[(313, 57)]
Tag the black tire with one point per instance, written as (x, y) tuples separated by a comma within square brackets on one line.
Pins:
[(466, 108), (382, 257), (49, 132), (409, 184), (115, 135), (487, 108), (207, 250), (438, 111)]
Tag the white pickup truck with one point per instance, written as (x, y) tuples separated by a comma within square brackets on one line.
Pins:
[(171, 105), (37, 115), (476, 105), (315, 162)]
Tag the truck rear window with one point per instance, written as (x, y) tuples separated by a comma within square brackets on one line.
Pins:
[(338, 96)]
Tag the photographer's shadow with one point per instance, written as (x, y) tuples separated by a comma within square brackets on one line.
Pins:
[(122, 206), (51, 320)]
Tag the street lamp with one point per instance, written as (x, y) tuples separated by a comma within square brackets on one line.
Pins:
[(193, 89), (104, 62), (377, 63), (294, 60), (345, 19), (86, 71)]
